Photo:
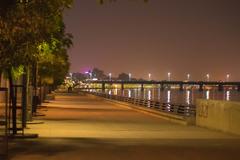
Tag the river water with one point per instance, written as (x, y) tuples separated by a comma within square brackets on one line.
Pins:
[(187, 96)]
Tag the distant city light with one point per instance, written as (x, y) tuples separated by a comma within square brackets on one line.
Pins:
[(129, 76)]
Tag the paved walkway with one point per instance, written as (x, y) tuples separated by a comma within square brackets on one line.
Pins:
[(90, 128)]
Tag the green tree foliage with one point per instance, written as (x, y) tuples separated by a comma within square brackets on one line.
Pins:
[(53, 62), (26, 25), (23, 26)]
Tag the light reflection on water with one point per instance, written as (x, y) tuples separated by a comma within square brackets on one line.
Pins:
[(188, 97), (129, 93), (228, 95), (207, 94), (176, 96), (168, 96), (149, 94)]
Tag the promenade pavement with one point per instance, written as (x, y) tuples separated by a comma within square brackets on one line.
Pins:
[(84, 127)]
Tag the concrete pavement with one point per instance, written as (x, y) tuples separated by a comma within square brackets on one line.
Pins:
[(90, 128)]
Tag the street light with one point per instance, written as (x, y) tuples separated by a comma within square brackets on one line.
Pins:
[(129, 76), (208, 77), (227, 77), (149, 76), (188, 77), (169, 76), (110, 76)]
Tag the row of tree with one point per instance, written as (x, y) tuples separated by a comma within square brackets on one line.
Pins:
[(33, 46)]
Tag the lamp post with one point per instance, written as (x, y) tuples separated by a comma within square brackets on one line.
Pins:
[(188, 76), (169, 76), (149, 76), (208, 77), (227, 77), (110, 76)]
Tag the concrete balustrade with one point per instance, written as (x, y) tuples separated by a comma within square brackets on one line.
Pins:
[(218, 115)]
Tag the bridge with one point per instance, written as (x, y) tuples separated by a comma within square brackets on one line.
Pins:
[(163, 84)]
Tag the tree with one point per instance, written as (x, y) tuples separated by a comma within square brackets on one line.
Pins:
[(24, 25), (123, 77), (99, 74)]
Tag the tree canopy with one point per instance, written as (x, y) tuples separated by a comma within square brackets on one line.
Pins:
[(33, 30)]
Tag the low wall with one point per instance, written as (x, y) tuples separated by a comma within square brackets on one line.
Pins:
[(219, 115)]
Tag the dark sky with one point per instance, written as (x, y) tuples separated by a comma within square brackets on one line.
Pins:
[(177, 36)]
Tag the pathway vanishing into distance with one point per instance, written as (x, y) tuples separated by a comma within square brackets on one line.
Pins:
[(82, 127)]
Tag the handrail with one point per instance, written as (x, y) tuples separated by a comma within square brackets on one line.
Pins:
[(177, 109)]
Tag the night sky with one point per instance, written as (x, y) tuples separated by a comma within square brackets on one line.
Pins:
[(177, 36)]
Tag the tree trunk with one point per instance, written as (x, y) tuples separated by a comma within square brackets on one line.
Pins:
[(35, 97), (13, 102), (25, 82)]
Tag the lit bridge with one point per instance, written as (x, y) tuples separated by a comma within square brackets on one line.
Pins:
[(163, 84)]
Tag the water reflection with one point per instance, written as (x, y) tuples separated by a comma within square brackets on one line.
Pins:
[(129, 93), (228, 95), (175, 96), (115, 91), (159, 94), (188, 97), (149, 95), (168, 96), (207, 94)]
